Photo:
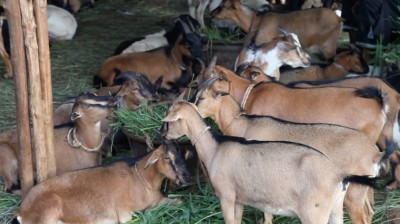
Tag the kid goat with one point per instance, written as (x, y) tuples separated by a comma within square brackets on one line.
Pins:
[(247, 172), (172, 63), (78, 146), (105, 194), (344, 146)]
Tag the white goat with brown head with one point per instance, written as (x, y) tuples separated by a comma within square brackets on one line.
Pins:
[(284, 49), (248, 172), (349, 149), (105, 194)]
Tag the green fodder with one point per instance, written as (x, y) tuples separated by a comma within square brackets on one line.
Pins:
[(9, 204)]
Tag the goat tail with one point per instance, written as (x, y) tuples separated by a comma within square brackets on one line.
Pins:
[(372, 92), (362, 180), (14, 219), (391, 147)]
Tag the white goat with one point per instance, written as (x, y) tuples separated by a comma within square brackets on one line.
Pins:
[(61, 24)]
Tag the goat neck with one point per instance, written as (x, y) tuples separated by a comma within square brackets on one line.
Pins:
[(148, 177), (176, 56), (88, 134), (238, 85), (229, 118)]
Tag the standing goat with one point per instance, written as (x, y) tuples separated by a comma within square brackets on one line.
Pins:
[(349, 149), (317, 28), (362, 109), (172, 63), (78, 146), (105, 194), (284, 49), (247, 172)]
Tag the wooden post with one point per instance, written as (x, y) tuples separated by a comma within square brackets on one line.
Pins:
[(13, 13), (40, 10), (36, 101)]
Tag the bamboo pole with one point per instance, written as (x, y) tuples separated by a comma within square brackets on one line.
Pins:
[(36, 102), (13, 14), (40, 10)]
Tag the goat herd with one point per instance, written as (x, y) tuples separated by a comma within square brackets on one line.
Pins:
[(315, 145)]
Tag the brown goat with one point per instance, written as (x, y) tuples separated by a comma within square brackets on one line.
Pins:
[(362, 109), (105, 194), (77, 147), (391, 127), (344, 62), (317, 27), (284, 49), (246, 172), (343, 145), (172, 63)]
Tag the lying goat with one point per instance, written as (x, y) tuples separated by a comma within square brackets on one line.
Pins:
[(197, 7), (172, 63), (105, 194), (317, 28), (342, 145), (78, 146), (247, 172), (284, 49), (345, 62), (362, 109), (61, 24), (152, 41)]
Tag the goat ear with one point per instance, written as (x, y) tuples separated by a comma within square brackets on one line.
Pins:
[(171, 117), (155, 156), (75, 115)]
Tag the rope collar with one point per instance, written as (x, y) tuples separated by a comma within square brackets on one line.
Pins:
[(229, 125), (143, 181), (74, 142), (200, 134), (246, 95)]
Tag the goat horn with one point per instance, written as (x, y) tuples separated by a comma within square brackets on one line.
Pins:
[(285, 32), (186, 28), (212, 64)]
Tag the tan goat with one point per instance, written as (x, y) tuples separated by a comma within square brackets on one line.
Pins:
[(105, 194), (77, 146), (248, 172), (317, 27), (343, 145)]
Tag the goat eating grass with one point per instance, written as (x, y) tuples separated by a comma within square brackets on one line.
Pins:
[(105, 194)]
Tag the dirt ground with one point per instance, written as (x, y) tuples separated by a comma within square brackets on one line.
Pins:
[(100, 30)]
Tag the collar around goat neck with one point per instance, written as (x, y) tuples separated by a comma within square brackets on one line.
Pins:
[(74, 142), (143, 181), (233, 119), (200, 134), (246, 95)]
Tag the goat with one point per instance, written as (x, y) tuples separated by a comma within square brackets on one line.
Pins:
[(343, 145), (61, 24), (105, 194), (197, 7), (391, 127), (282, 50), (172, 62), (322, 30), (141, 44), (72, 6), (5, 47), (246, 172), (344, 62), (312, 105), (78, 146)]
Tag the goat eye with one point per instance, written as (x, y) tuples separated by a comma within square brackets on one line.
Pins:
[(254, 75)]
